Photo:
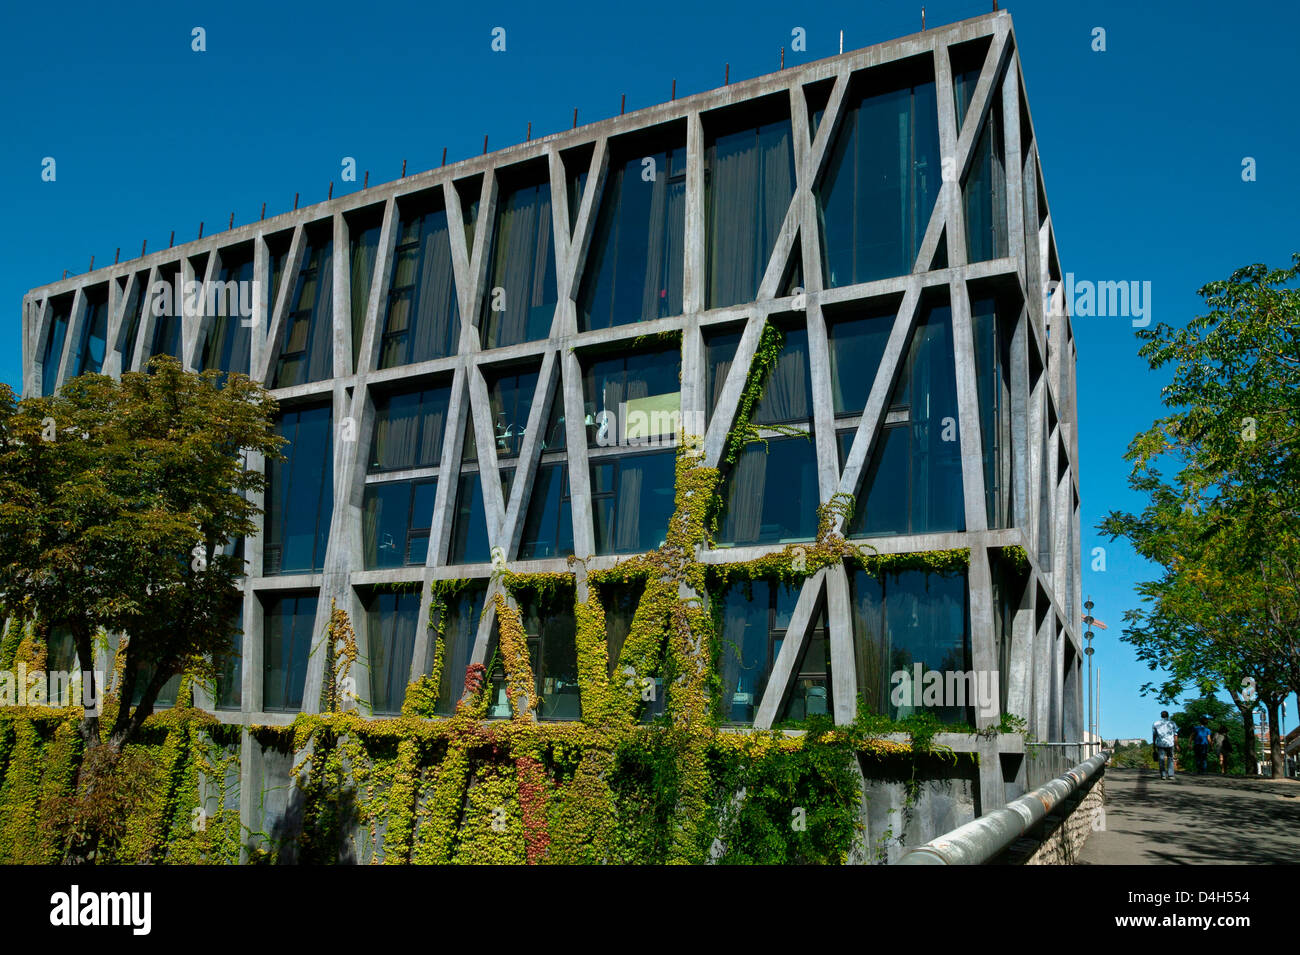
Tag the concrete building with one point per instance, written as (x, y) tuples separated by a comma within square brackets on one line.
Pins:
[(490, 364)]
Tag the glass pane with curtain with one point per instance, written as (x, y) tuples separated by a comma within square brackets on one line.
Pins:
[(423, 315), (300, 493), (136, 302), (780, 510), (913, 484), (307, 353), (552, 629), (787, 392), (719, 353), (469, 535), (856, 348), (632, 501), (228, 343), (519, 301), (409, 428), (615, 387), (362, 251), (619, 602), (810, 694), (985, 196), (230, 674), (510, 398), (748, 187), (881, 184), (991, 328), (287, 634), (391, 623), (634, 268), (548, 527), (459, 625), (385, 519)]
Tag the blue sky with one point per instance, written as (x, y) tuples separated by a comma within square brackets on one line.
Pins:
[(1141, 145)]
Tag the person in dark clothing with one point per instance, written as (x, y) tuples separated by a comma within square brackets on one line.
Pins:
[(1201, 743), (1225, 751)]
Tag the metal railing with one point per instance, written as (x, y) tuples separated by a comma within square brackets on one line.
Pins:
[(983, 839), (1046, 761)]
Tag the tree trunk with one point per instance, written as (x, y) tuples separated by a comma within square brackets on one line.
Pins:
[(1276, 759), (1248, 723)]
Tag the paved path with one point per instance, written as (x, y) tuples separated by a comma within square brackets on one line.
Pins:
[(1195, 820)]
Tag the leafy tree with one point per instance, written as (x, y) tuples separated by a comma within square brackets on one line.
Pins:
[(1226, 527), (121, 504)]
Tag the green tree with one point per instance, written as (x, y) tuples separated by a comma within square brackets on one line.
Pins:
[(121, 504), (1226, 527)]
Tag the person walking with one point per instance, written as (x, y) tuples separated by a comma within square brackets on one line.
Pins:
[(1216, 747), (1225, 749), (1201, 744), (1164, 737)]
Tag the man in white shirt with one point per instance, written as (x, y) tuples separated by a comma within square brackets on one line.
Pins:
[(1164, 737)]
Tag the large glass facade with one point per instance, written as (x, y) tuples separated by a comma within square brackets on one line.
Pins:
[(857, 345), (422, 321), (755, 617), (986, 192), (519, 302), (363, 248), (992, 324), (167, 320), (510, 396), (230, 674), (914, 483), (300, 493), (60, 310), (391, 621), (286, 644), (136, 303), (882, 180), (307, 351), (906, 624), (787, 392), (749, 184), (552, 629), (634, 269)]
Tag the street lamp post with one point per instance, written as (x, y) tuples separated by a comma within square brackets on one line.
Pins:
[(1088, 635)]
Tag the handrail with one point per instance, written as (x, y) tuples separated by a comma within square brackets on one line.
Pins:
[(984, 838)]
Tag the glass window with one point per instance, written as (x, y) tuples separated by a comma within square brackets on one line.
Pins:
[(300, 493), (469, 534), (548, 529), (553, 652), (408, 429), (422, 321), (634, 270), (856, 347), (162, 305), (992, 327), (230, 674), (634, 398), (286, 637), (906, 624), (749, 182), (632, 501), (510, 396), (759, 511), (787, 391), (395, 519), (391, 620), (754, 620), (362, 251), (136, 303), (881, 183), (986, 192), (520, 299), (459, 629), (719, 352), (810, 694), (91, 360), (307, 352), (229, 324), (913, 484)]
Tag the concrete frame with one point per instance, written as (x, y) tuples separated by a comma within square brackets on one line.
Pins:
[(1043, 410)]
